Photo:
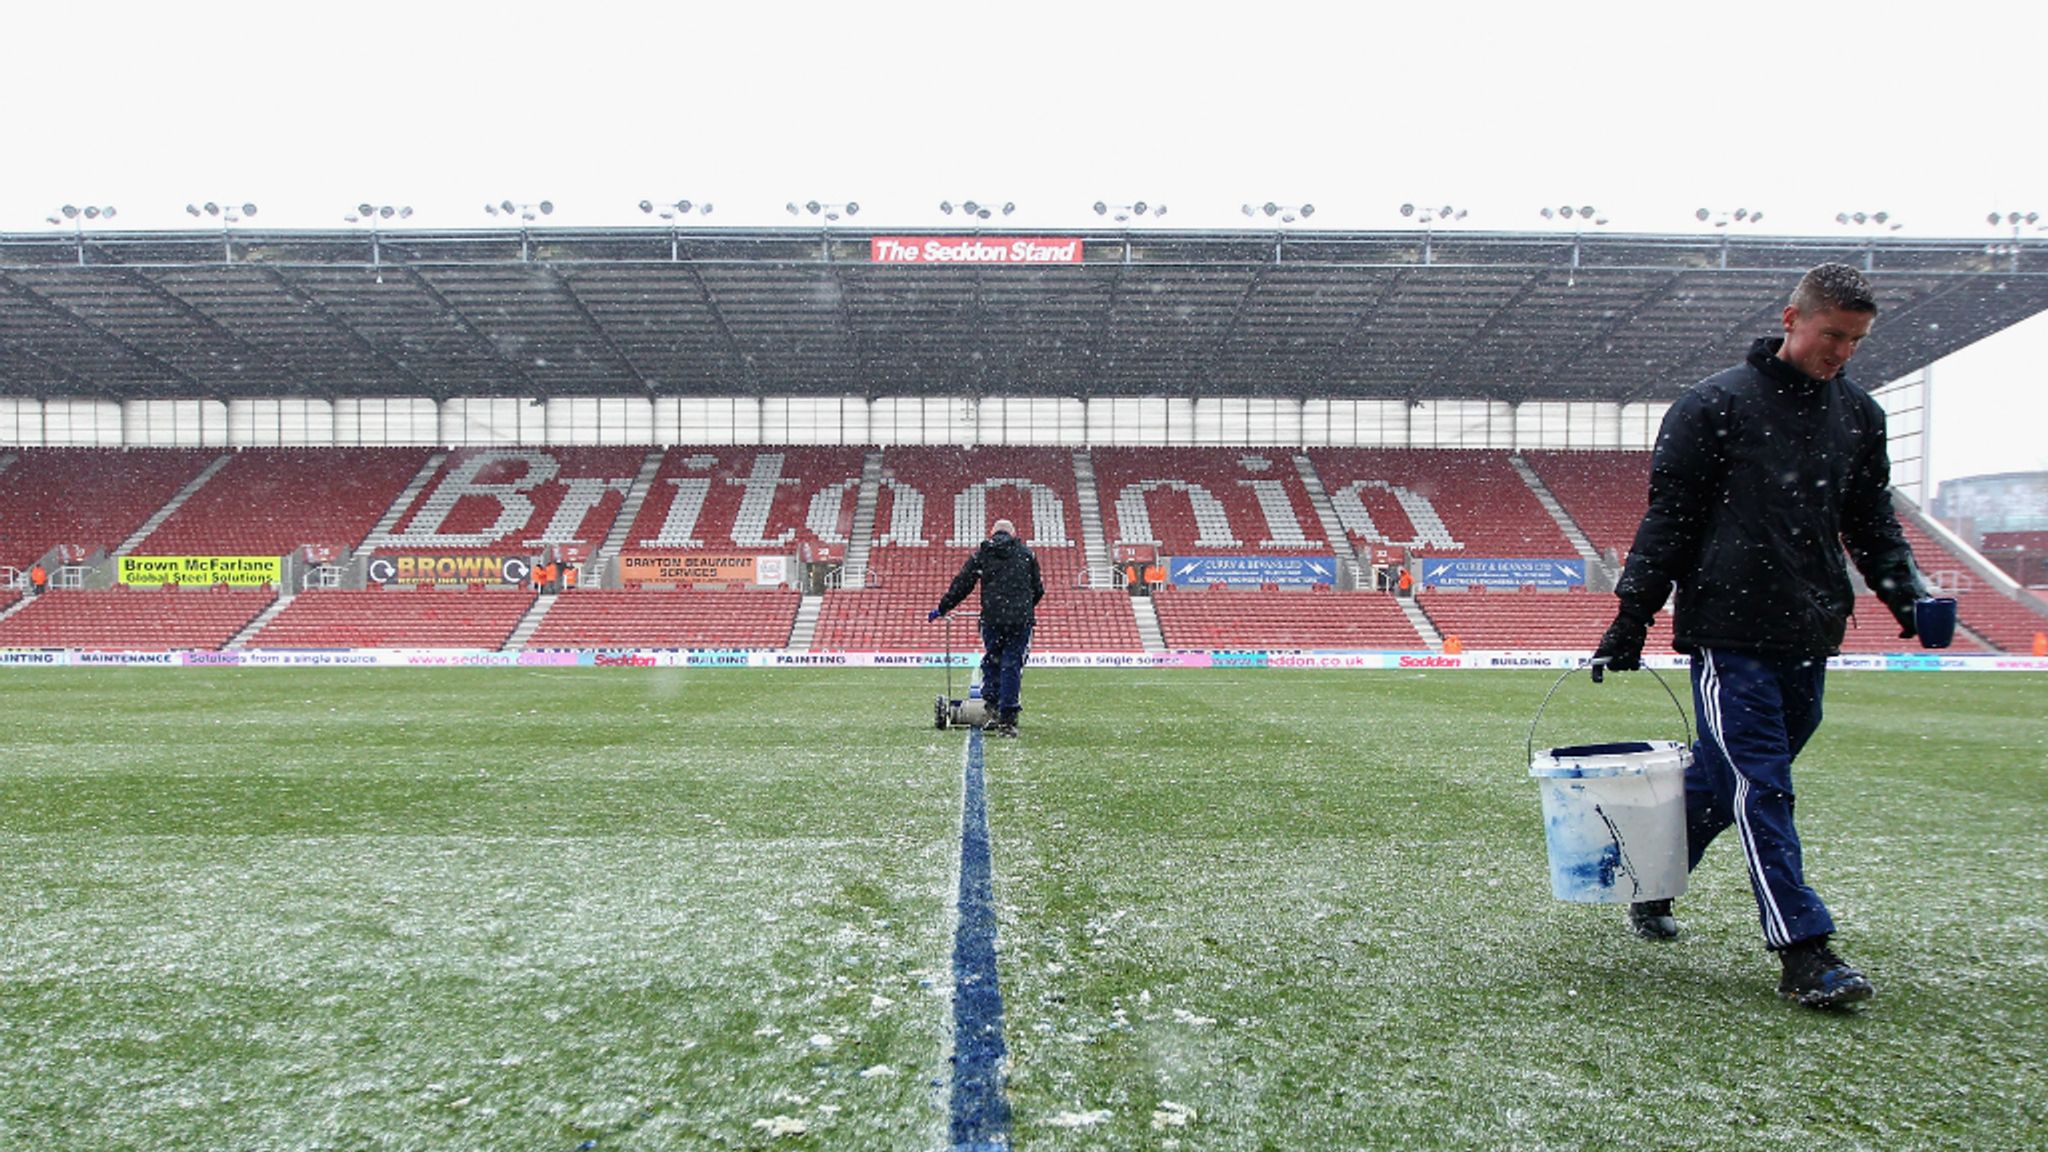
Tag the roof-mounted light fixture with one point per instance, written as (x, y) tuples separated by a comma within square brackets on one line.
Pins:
[(1429, 217), (1881, 221), (229, 214), (1124, 213), (1721, 218), (830, 211), (525, 212), (977, 209), (676, 210), (1288, 213), (1584, 214), (77, 217)]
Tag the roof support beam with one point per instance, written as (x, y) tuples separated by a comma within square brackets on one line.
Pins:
[(456, 318), (313, 304)]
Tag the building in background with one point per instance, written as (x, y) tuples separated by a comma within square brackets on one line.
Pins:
[(2005, 516)]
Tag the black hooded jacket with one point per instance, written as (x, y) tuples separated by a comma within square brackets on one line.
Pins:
[(1010, 584), (1761, 476)]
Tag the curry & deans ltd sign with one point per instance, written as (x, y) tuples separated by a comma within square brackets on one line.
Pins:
[(234, 571), (975, 250)]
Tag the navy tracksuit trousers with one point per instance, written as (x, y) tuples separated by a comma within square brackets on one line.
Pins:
[(1004, 650), (1755, 714)]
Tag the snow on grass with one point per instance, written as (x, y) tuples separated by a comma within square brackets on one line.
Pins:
[(1298, 910)]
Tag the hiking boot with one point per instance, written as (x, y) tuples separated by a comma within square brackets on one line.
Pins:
[(1652, 920), (1817, 978)]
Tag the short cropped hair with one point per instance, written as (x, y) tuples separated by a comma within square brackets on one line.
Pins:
[(1834, 286)]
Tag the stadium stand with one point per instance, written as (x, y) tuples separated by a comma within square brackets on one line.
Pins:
[(515, 501), (1604, 493), (933, 508), (686, 618), (1872, 629), (395, 618), (2010, 625), (270, 501), (1562, 621), (1285, 620), (747, 499), (90, 498), (8, 596), (1438, 502), (135, 619), (1207, 501)]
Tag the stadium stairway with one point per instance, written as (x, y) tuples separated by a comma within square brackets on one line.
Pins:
[(1424, 627), (1565, 523), (1326, 515), (1147, 615), (622, 526), (241, 639), (164, 513), (523, 631), (860, 540), (1094, 545), (806, 627)]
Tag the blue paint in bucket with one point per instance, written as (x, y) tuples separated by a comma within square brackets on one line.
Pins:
[(1614, 820)]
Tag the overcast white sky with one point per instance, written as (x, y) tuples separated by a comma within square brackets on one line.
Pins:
[(1646, 111)]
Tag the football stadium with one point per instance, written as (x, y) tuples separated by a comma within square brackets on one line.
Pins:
[(475, 689)]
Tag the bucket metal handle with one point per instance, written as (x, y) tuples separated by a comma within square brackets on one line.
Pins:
[(1529, 751)]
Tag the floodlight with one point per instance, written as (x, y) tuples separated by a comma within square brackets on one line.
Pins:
[(1138, 208), (812, 206), (1307, 210), (70, 211), (365, 209), (946, 206), (647, 205), (508, 207), (1701, 215), (852, 209), (1586, 211), (1102, 209), (547, 207), (1407, 209), (1991, 219), (1248, 210)]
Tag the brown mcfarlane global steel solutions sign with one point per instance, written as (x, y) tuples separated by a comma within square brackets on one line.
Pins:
[(233, 571), (975, 250)]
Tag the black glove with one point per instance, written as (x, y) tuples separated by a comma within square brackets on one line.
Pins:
[(932, 615), (1902, 611), (1621, 649)]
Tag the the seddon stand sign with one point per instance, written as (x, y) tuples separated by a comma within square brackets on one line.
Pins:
[(975, 250)]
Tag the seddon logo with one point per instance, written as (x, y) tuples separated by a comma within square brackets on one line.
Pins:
[(975, 250), (1431, 662)]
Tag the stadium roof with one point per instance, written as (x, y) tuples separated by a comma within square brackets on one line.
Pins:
[(807, 311)]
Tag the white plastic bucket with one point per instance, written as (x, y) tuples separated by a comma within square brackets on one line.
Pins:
[(1614, 820)]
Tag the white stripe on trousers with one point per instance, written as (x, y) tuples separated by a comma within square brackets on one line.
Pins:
[(1775, 933)]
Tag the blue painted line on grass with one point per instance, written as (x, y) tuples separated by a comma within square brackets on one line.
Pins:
[(980, 1111)]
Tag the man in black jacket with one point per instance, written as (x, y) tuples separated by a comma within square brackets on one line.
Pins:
[(1010, 592), (1760, 477)]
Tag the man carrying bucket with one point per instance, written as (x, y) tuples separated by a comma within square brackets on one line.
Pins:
[(1760, 477)]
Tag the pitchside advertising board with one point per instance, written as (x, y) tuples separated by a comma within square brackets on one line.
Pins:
[(204, 571), (1504, 573), (426, 569), (674, 569), (1252, 571), (975, 250)]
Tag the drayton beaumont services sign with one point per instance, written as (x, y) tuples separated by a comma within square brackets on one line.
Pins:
[(1252, 571), (1504, 573)]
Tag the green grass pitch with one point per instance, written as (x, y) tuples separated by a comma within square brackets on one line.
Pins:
[(653, 909)]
